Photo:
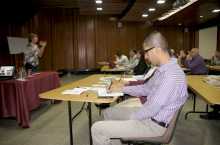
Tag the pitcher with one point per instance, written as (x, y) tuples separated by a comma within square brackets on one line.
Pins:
[(21, 72)]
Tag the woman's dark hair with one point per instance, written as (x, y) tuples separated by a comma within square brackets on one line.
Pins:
[(142, 53), (184, 51)]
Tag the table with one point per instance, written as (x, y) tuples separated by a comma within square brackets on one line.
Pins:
[(215, 68), (185, 69), (207, 92), (107, 69), (92, 97), (103, 63), (20, 97)]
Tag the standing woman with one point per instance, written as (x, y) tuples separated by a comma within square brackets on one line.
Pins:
[(33, 52)]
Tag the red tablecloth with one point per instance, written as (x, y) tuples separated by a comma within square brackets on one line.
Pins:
[(17, 98)]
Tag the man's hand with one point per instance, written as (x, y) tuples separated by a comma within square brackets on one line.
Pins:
[(114, 89), (126, 76), (119, 63), (188, 57), (124, 82)]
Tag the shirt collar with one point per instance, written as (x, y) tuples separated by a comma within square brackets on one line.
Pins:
[(195, 57), (167, 65)]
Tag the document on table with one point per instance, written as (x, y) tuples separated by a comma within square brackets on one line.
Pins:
[(76, 91), (213, 81), (103, 94), (126, 79), (101, 84), (210, 77)]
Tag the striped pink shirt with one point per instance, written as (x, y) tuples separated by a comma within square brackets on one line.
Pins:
[(166, 92)]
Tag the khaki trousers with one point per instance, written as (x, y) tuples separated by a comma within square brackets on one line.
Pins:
[(116, 125), (131, 102)]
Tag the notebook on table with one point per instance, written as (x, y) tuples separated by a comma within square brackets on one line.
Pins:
[(6, 72)]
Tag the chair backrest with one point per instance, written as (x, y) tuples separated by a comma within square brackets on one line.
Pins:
[(207, 67), (164, 139)]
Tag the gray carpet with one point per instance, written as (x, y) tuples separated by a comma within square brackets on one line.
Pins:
[(49, 125)]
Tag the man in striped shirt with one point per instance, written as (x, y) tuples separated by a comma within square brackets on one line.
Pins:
[(166, 91)]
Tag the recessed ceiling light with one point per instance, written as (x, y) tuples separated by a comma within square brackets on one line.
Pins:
[(98, 2), (151, 9), (160, 1), (201, 16), (144, 15), (99, 9), (216, 10), (179, 23)]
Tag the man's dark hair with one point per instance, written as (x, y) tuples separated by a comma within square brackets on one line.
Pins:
[(133, 50), (156, 38), (142, 53), (218, 50), (118, 53)]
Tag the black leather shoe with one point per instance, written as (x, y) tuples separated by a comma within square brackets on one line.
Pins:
[(210, 116), (102, 106)]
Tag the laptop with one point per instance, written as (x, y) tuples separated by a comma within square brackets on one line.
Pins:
[(6, 72)]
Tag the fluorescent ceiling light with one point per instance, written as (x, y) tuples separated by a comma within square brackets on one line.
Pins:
[(179, 23), (161, 1), (170, 13), (216, 10), (201, 16), (98, 2), (144, 15), (99, 9), (151, 9)]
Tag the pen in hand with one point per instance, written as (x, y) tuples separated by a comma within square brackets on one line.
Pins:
[(110, 86), (120, 79)]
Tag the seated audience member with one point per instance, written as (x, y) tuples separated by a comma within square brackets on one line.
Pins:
[(133, 62), (133, 57), (216, 58), (141, 79), (142, 66), (121, 58), (172, 53), (166, 92), (196, 63), (182, 58), (189, 52)]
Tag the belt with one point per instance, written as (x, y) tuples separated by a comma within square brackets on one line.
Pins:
[(163, 124)]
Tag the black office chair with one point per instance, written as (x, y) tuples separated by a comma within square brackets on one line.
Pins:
[(164, 139)]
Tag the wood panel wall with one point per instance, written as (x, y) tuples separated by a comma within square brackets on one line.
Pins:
[(80, 41)]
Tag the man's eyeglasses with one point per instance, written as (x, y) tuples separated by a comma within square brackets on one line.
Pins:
[(145, 51)]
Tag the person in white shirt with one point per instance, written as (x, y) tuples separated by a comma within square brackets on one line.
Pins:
[(133, 57), (122, 59)]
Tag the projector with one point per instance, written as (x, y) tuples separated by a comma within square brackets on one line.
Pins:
[(180, 3)]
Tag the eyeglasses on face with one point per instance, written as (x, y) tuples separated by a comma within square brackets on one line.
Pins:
[(145, 51)]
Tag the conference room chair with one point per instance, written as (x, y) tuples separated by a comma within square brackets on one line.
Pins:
[(164, 139), (207, 67)]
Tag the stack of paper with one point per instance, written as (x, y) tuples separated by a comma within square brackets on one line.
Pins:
[(76, 91), (101, 84), (103, 93), (213, 81)]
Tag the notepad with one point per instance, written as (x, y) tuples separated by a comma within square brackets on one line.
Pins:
[(75, 91), (213, 81), (103, 94), (101, 84)]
